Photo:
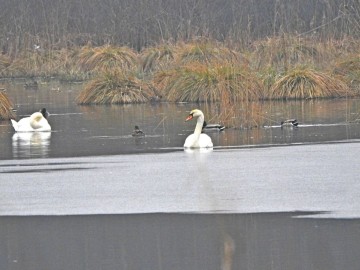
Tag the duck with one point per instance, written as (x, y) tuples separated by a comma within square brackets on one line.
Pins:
[(212, 127), (31, 85), (138, 132), (289, 123), (197, 139), (35, 122)]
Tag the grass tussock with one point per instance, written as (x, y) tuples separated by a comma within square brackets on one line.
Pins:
[(199, 82), (156, 58), (114, 87), (205, 52), (305, 83), (5, 62), (6, 106), (201, 70), (284, 51), (349, 70), (106, 58)]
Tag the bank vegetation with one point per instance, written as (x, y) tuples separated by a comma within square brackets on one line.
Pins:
[(223, 52)]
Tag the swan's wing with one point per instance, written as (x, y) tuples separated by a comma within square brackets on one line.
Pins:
[(14, 124), (43, 125), (190, 141), (23, 125), (205, 141), (39, 123)]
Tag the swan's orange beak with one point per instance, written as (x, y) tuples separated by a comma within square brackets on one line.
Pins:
[(189, 117)]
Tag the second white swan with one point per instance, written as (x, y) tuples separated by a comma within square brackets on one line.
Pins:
[(35, 122), (197, 139)]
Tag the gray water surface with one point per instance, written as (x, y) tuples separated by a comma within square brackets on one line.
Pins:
[(90, 196), (106, 130)]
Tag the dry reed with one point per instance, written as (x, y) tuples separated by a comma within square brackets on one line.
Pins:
[(283, 52), (156, 58), (106, 57), (114, 87), (305, 83), (198, 82), (6, 106), (349, 70)]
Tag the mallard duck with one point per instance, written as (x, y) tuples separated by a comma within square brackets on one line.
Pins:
[(35, 122), (32, 85), (212, 127), (197, 139), (138, 132), (289, 123)]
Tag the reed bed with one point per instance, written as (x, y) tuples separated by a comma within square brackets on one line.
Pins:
[(6, 106), (156, 58), (305, 83), (284, 52), (205, 51), (199, 82), (55, 63), (5, 62), (107, 57), (349, 70), (114, 87), (201, 70)]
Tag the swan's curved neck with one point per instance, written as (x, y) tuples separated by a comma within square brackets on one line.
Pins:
[(199, 125)]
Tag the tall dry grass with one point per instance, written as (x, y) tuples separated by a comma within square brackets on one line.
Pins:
[(284, 52), (6, 106), (205, 51), (349, 70), (306, 83), (55, 63), (203, 70), (114, 87), (156, 58), (199, 82), (105, 58)]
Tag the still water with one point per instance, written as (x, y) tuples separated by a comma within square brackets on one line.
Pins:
[(90, 196), (106, 130)]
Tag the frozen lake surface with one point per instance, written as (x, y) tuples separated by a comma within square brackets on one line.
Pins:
[(321, 178)]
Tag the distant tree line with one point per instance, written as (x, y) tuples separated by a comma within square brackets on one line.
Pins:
[(52, 24)]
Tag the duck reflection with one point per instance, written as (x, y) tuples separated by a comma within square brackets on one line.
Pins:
[(31, 144)]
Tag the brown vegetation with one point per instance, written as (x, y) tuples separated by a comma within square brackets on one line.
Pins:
[(114, 87), (6, 106), (305, 83), (349, 70), (228, 52), (106, 57)]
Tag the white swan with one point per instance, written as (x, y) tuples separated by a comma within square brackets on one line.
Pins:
[(197, 139), (35, 122)]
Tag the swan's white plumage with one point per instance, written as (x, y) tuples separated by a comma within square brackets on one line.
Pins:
[(197, 139), (35, 122)]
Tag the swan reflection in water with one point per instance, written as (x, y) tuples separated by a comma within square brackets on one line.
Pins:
[(197, 151), (31, 144), (198, 156)]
